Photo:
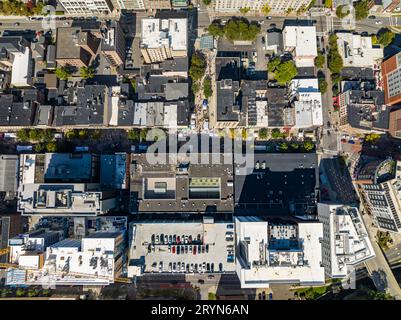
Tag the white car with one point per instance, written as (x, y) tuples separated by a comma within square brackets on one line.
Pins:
[(378, 22)]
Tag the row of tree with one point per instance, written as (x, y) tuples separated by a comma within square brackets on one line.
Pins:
[(64, 72), (235, 29), (19, 8)]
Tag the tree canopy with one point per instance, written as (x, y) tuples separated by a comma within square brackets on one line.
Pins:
[(335, 62), (284, 72), (342, 11), (266, 9), (361, 9), (319, 61), (322, 85), (87, 72), (207, 88), (207, 2), (19, 8), (385, 37), (63, 73), (215, 29), (198, 66), (241, 29)]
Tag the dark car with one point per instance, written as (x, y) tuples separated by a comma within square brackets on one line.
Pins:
[(178, 249), (372, 17), (201, 281)]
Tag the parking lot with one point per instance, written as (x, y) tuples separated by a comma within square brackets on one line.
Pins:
[(186, 247)]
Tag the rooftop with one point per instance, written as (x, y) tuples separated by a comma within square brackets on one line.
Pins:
[(301, 39), (280, 184), (182, 185), (278, 251)]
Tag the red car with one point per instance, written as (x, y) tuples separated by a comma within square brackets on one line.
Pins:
[(194, 250), (173, 249), (178, 239)]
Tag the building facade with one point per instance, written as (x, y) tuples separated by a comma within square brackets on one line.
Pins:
[(276, 6), (87, 6)]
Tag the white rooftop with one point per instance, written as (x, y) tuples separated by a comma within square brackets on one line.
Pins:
[(347, 240), (302, 41), (274, 254), (170, 33), (358, 51), (308, 107), (20, 74)]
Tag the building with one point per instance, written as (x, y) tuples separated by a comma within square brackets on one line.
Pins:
[(274, 40), (157, 4), (363, 111), (93, 260), (383, 194), (280, 111), (114, 173), (345, 242), (358, 51), (129, 4), (279, 184), (9, 172), (193, 246), (308, 103), (163, 39), (228, 104), (75, 47), (276, 6), (278, 251), (199, 183), (391, 69), (94, 7), (113, 44), (394, 127), (16, 58), (301, 41), (62, 184), (254, 103), (27, 249), (10, 226)]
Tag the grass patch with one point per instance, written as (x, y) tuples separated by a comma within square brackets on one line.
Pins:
[(312, 293)]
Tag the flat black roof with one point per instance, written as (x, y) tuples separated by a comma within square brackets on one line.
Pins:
[(286, 185)]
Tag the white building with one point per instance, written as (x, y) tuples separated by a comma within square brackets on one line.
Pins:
[(92, 260), (276, 6), (346, 241), (301, 42), (308, 103), (287, 252), (358, 51), (21, 74), (53, 184), (87, 6), (129, 4), (163, 39)]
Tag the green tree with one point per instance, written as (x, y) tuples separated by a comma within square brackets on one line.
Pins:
[(328, 3), (23, 135), (198, 66), (273, 64), (374, 39), (82, 134), (361, 9), (276, 133), (87, 72), (195, 87), (308, 146), (63, 73), (216, 29), (372, 138), (342, 11), (385, 37), (35, 135), (20, 292), (294, 146), (207, 88), (241, 29), (263, 134), (244, 10), (322, 85), (335, 62), (142, 134), (96, 134), (71, 134), (283, 146), (134, 134), (266, 9), (319, 61), (51, 146), (39, 147), (207, 2), (285, 72), (335, 78)]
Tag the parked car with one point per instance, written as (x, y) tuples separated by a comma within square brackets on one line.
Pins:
[(178, 249), (207, 248), (220, 267), (161, 266), (194, 250), (173, 249)]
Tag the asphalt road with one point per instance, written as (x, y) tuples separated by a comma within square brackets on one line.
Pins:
[(393, 254)]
